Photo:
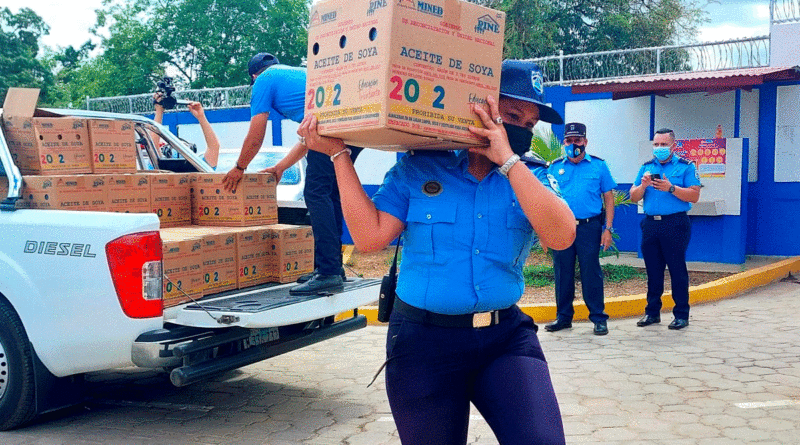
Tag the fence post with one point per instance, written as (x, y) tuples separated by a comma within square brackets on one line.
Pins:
[(561, 67), (87, 102), (227, 98), (658, 61)]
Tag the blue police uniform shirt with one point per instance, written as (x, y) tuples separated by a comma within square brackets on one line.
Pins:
[(583, 184), (465, 241), (281, 89), (680, 173)]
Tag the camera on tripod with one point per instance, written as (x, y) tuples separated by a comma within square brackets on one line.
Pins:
[(168, 101)]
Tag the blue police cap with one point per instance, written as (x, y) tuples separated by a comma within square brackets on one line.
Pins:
[(523, 80)]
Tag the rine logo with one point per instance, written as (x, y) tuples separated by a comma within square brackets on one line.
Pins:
[(487, 23), (63, 249), (375, 4)]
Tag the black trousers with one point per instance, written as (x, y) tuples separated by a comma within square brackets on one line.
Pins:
[(587, 249), (664, 244), (321, 193)]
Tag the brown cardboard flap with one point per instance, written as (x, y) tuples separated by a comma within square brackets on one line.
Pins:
[(20, 102), (452, 11)]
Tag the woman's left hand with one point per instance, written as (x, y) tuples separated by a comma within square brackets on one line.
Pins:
[(499, 150), (311, 139)]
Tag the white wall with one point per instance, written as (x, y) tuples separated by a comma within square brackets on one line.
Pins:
[(787, 134), (696, 115), (784, 41), (748, 128), (614, 129)]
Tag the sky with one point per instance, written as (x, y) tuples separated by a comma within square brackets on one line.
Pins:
[(70, 20)]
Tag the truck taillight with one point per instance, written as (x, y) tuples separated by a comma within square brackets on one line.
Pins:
[(135, 264)]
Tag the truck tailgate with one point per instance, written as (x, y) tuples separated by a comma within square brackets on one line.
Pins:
[(271, 305)]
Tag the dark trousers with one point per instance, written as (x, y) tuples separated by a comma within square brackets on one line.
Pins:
[(321, 193), (433, 373), (587, 249), (664, 244)]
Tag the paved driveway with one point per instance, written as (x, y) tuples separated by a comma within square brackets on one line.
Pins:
[(732, 377)]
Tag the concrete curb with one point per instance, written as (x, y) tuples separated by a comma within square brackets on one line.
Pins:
[(633, 305)]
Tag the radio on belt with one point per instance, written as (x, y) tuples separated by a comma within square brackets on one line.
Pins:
[(396, 75)]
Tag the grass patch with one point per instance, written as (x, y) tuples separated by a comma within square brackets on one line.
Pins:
[(541, 275)]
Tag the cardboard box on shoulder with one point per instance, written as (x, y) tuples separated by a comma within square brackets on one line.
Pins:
[(65, 192), (254, 202), (170, 198), (129, 193), (253, 245), (42, 142), (112, 145), (291, 252), (402, 74), (182, 266)]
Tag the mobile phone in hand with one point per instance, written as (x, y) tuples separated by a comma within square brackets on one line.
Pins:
[(655, 176)]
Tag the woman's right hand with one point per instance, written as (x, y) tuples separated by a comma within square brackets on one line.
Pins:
[(311, 139)]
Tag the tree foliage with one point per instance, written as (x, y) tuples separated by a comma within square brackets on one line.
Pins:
[(208, 42), (19, 45), (536, 28)]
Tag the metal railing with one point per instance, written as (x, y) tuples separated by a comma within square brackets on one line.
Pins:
[(211, 98), (740, 53), (783, 11)]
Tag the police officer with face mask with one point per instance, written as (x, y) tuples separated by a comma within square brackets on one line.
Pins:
[(586, 184), (668, 184)]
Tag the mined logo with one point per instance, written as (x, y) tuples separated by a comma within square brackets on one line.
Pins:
[(487, 23), (321, 19), (376, 4)]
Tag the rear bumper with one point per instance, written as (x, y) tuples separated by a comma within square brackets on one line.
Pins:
[(198, 353)]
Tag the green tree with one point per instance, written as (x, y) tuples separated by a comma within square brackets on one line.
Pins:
[(537, 28), (19, 46), (208, 42)]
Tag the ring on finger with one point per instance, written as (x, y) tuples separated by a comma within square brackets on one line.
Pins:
[(499, 120)]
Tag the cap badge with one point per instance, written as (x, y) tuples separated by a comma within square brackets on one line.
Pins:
[(432, 188), (561, 172), (537, 81)]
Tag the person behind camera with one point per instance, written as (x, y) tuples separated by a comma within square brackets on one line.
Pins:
[(586, 184), (468, 220), (281, 89), (668, 184), (211, 155)]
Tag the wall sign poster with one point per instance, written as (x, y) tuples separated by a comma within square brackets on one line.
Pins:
[(708, 155)]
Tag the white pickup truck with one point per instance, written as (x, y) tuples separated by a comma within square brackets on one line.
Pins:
[(81, 292)]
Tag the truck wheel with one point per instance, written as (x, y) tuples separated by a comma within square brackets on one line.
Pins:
[(17, 382)]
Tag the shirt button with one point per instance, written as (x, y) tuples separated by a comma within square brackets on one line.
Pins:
[(428, 216), (480, 215), (477, 288), (477, 252)]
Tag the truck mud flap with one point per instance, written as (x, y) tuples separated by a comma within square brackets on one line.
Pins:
[(214, 355)]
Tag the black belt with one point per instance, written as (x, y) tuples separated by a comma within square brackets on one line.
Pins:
[(660, 217), (478, 320), (588, 220)]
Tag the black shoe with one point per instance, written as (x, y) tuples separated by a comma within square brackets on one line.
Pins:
[(306, 277), (600, 328), (318, 283), (647, 320), (678, 323), (558, 325)]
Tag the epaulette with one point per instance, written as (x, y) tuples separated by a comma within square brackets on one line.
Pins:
[(598, 158), (530, 160), (652, 161), (557, 160), (684, 161)]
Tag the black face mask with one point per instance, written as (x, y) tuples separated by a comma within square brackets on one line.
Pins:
[(519, 138), (574, 150)]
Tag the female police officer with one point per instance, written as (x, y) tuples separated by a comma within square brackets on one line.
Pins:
[(467, 219)]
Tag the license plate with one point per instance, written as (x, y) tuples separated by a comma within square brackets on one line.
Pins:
[(261, 336)]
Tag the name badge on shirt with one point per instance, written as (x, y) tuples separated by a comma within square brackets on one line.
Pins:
[(432, 188)]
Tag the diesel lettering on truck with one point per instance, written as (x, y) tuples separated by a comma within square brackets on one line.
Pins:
[(55, 248)]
